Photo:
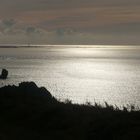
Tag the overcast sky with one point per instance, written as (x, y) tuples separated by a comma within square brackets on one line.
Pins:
[(70, 21)]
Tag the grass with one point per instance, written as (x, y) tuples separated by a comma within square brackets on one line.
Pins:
[(29, 112)]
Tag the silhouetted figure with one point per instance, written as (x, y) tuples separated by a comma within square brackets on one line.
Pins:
[(4, 74)]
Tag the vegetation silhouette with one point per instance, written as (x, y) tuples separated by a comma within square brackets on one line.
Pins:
[(29, 112)]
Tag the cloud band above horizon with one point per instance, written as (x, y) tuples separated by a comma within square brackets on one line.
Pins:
[(70, 21)]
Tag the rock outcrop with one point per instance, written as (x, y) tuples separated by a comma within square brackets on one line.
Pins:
[(4, 74), (30, 112)]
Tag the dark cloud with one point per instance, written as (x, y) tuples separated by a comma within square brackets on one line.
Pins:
[(63, 32), (31, 30), (8, 23)]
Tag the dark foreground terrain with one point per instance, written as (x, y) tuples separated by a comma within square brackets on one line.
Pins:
[(31, 113)]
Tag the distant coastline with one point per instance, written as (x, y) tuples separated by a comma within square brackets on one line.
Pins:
[(70, 46)]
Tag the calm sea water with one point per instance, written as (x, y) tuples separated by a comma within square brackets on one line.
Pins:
[(79, 74)]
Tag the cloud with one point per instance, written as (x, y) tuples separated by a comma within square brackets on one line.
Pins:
[(70, 21), (13, 33), (31, 30), (12, 26), (8, 23), (64, 32)]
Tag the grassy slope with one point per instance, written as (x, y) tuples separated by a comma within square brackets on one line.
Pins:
[(29, 112)]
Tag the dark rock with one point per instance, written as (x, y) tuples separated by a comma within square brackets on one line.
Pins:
[(4, 74)]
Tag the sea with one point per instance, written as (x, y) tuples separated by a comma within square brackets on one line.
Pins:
[(80, 73)]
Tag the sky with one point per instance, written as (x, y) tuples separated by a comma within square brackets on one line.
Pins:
[(107, 22)]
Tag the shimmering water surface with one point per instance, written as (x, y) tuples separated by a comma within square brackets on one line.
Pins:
[(79, 74)]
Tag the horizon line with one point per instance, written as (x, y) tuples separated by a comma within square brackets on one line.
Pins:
[(62, 45)]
